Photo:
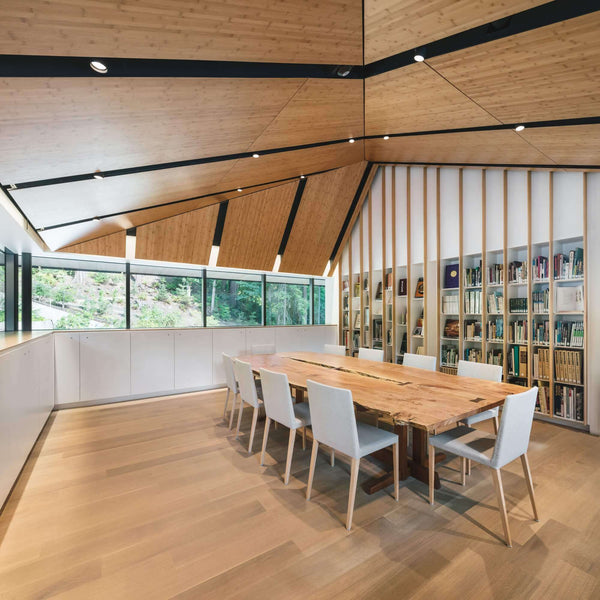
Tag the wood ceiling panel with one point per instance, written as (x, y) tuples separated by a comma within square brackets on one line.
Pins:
[(65, 126), (254, 227), (416, 98), (319, 220), (107, 245), (392, 26), (486, 147), (546, 74), (574, 145), (245, 30), (185, 238)]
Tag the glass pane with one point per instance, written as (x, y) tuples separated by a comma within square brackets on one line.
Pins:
[(233, 302), (319, 303), (73, 299), (288, 304), (2, 301), (161, 301)]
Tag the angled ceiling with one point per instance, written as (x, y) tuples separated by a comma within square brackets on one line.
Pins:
[(173, 132)]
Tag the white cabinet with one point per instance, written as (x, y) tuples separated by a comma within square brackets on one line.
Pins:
[(230, 341), (152, 361), (104, 365), (193, 358), (66, 368), (259, 336)]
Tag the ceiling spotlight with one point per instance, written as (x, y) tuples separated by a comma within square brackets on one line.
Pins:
[(239, 189), (255, 155), (343, 70), (352, 140), (386, 137), (419, 57), (98, 175), (96, 219), (302, 176), (519, 127), (98, 66)]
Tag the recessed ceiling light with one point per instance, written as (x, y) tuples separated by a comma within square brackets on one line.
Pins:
[(98, 66), (386, 137), (419, 57), (519, 127), (98, 176), (302, 176), (239, 189), (352, 140), (96, 219), (343, 71), (255, 155)]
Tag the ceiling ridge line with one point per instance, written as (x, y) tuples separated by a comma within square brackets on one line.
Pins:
[(592, 120)]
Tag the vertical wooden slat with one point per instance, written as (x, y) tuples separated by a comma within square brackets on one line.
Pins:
[(439, 329), (529, 284), (383, 265), (461, 284), (505, 273), (585, 300), (551, 291), (370, 201), (394, 275), (360, 277), (408, 267), (340, 303), (425, 324), (484, 314)]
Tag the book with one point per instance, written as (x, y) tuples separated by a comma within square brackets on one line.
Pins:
[(419, 288), (379, 292), (569, 298), (402, 287), (451, 328), (451, 276)]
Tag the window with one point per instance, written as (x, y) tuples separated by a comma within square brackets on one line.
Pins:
[(2, 301), (233, 299), (288, 301), (70, 295), (319, 302), (166, 301)]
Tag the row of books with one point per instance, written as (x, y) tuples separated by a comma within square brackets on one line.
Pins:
[(541, 363), (473, 276), (473, 354), (517, 305), (472, 329), (541, 301), (568, 333), (449, 355), (539, 267), (495, 329), (495, 274), (517, 361), (495, 357), (517, 271), (541, 332), (495, 302), (543, 400), (568, 402), (567, 366), (569, 266), (517, 332), (450, 304), (473, 301)]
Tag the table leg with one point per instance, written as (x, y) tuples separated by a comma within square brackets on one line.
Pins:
[(299, 395)]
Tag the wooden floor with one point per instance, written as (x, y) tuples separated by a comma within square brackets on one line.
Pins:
[(156, 500)]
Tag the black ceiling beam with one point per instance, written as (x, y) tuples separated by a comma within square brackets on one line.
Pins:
[(222, 158), (292, 216), (22, 65), (528, 20), (220, 225)]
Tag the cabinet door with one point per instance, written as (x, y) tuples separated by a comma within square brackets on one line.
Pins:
[(9, 467), (66, 368), (291, 339), (230, 341), (104, 365), (152, 362), (193, 359), (46, 369), (259, 336)]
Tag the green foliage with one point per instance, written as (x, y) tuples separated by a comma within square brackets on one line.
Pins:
[(288, 304), (233, 302)]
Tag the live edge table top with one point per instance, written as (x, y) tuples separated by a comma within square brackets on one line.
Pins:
[(427, 400)]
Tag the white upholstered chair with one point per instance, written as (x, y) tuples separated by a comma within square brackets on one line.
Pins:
[(263, 348), (334, 424), (476, 370), (370, 354), (247, 387), (494, 452), (334, 349), (232, 386), (420, 361), (280, 408)]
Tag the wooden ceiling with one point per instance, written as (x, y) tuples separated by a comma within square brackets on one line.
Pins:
[(58, 127)]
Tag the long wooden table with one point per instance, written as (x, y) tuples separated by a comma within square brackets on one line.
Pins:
[(426, 401)]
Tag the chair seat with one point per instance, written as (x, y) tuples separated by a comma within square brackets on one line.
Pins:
[(371, 439), (482, 416), (302, 414), (464, 441)]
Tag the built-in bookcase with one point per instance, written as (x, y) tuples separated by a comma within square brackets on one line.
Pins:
[(475, 264)]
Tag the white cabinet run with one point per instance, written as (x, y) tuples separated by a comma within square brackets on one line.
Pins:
[(66, 367), (152, 361), (193, 358)]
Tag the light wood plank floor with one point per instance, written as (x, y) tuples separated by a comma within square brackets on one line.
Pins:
[(156, 499)]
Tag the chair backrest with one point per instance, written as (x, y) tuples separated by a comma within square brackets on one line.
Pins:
[(229, 373), (334, 349), (263, 349), (468, 368), (420, 361), (370, 354), (277, 397), (515, 427), (332, 417), (245, 379)]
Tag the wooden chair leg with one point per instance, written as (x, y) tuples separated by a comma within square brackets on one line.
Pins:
[(468, 466), (311, 471), (502, 505), (463, 470), (496, 425), (332, 458), (233, 403), (264, 444), (304, 438), (352, 493), (226, 403), (396, 450), (431, 474), (288, 462), (253, 429), (529, 480), (237, 431)]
